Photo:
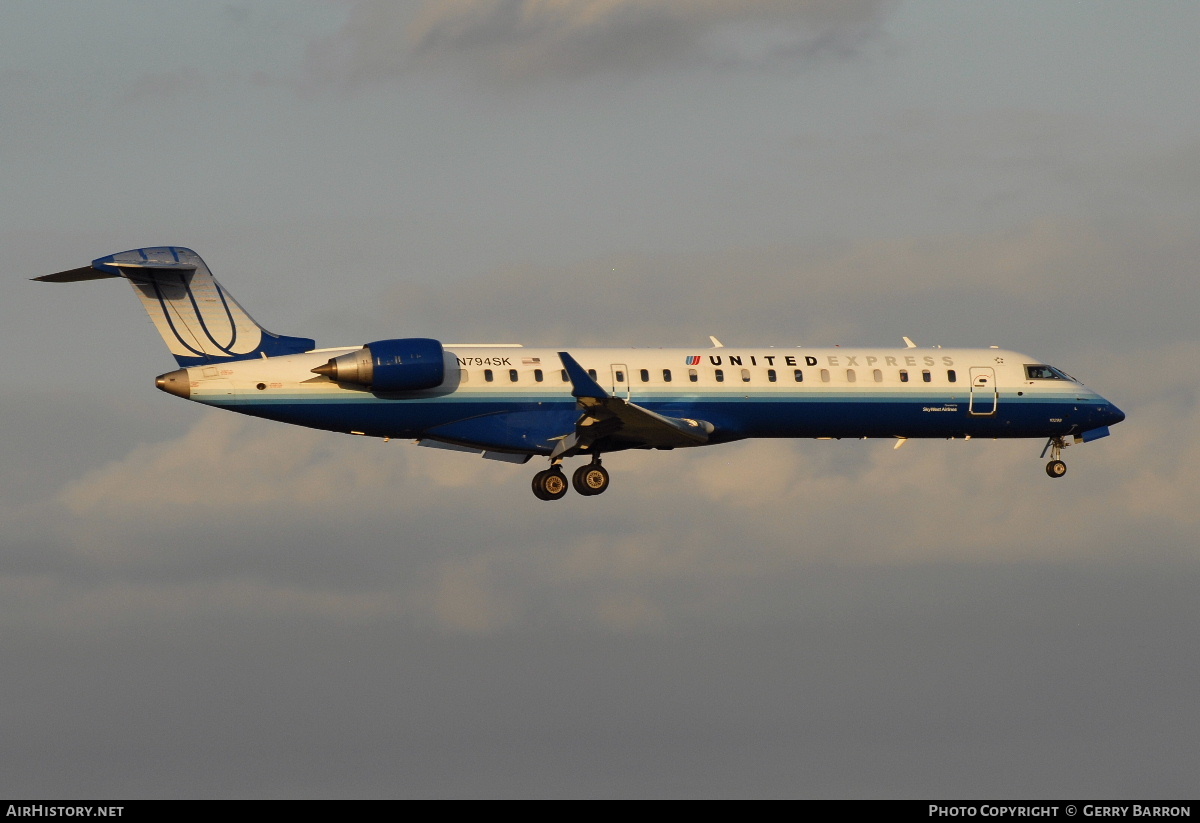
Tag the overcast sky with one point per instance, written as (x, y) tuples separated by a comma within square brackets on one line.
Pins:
[(197, 604)]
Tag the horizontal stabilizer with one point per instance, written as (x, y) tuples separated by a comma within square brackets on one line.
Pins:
[(75, 275)]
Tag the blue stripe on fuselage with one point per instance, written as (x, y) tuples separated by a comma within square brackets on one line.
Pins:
[(848, 414)]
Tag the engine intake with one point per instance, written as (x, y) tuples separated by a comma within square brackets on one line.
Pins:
[(407, 364)]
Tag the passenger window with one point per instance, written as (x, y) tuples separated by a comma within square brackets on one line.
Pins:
[(824, 375), (666, 375), (620, 376), (592, 373), (462, 375), (851, 376), (645, 373), (720, 375), (693, 375), (926, 376), (799, 376), (565, 379), (878, 375), (745, 375), (487, 375), (951, 375), (771, 375), (903, 376), (512, 375), (537, 375)]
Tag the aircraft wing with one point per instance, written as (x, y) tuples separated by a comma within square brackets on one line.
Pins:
[(620, 421)]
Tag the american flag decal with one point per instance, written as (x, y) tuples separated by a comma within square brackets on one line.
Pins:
[(693, 360)]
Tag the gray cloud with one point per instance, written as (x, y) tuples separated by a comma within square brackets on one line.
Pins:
[(177, 84), (304, 613), (1052, 283), (526, 39)]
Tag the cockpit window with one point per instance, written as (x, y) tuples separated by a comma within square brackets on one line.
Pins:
[(1045, 373)]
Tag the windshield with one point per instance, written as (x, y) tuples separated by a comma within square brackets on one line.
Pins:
[(1044, 372)]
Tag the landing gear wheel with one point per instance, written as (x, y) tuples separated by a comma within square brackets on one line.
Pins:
[(590, 479), (550, 484), (538, 491), (1055, 445)]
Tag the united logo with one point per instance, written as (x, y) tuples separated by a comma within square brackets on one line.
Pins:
[(693, 360)]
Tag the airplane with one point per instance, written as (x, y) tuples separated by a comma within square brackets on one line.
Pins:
[(511, 403)]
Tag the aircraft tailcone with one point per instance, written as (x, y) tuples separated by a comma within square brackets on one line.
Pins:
[(176, 383)]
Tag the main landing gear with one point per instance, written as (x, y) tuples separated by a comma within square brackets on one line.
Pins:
[(550, 484), (1056, 467), (588, 480)]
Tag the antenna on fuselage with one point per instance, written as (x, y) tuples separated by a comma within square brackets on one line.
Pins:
[(717, 344), (908, 343)]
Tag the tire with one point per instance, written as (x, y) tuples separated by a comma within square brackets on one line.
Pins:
[(590, 479), (1056, 468), (550, 484), (538, 491)]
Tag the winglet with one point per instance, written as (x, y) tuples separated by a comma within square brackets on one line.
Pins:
[(582, 385)]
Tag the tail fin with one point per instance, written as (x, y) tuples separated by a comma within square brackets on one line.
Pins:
[(200, 321)]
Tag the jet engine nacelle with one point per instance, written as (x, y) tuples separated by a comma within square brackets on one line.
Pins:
[(407, 364)]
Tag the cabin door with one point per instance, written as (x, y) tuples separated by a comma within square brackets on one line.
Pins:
[(620, 380), (984, 394)]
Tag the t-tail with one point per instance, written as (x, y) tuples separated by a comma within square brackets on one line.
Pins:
[(200, 321)]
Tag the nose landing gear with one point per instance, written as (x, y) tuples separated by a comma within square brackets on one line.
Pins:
[(1056, 467)]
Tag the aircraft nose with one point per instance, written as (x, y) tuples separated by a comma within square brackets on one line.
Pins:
[(1112, 415)]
